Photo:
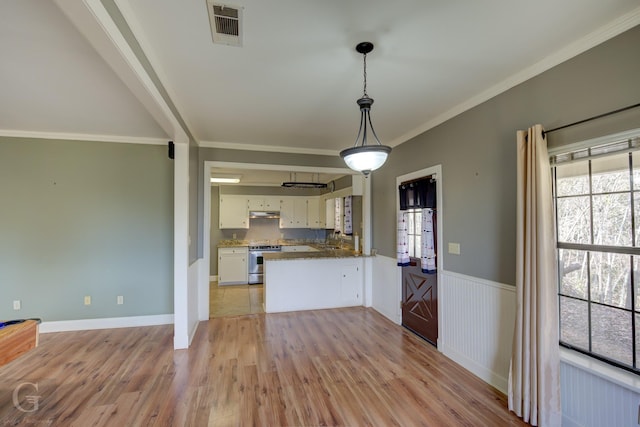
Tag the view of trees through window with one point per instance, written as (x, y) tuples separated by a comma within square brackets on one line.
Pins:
[(598, 228)]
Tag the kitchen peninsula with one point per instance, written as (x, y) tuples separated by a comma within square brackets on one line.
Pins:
[(325, 278)]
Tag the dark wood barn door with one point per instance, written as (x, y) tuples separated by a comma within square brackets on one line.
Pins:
[(420, 301)]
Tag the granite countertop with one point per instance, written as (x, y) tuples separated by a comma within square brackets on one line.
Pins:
[(230, 243), (233, 243), (328, 253)]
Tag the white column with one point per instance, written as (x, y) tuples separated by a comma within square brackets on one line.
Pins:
[(181, 245)]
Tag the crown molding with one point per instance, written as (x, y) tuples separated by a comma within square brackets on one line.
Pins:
[(83, 137), (269, 148), (601, 35)]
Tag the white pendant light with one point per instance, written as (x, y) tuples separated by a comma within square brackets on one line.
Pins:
[(363, 157)]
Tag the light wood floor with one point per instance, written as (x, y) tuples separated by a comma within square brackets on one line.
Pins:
[(348, 367), (235, 300)]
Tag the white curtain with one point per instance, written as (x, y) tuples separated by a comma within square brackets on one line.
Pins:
[(402, 251), (348, 223), (534, 374), (428, 250)]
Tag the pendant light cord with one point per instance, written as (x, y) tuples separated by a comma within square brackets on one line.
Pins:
[(365, 74)]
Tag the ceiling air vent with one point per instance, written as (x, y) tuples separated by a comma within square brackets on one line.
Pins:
[(226, 23)]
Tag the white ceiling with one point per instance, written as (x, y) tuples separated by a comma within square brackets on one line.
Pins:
[(293, 85)]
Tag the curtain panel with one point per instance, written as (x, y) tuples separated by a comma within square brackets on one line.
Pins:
[(534, 374), (402, 251), (428, 249)]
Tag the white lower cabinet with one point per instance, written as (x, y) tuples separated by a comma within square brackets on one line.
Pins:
[(233, 266)]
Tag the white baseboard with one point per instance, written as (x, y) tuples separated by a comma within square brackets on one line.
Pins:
[(105, 323), (482, 372), (213, 278)]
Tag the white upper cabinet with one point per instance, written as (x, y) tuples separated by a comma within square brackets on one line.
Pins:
[(313, 213), (234, 211), (264, 203), (330, 214), (300, 212), (293, 212)]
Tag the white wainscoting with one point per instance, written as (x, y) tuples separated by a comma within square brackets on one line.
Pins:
[(477, 325), (597, 394), (477, 332), (193, 304), (385, 297)]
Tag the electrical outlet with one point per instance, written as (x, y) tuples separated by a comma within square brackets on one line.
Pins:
[(234, 236), (16, 305), (120, 299), (87, 300)]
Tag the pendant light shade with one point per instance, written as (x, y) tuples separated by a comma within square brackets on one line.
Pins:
[(363, 157)]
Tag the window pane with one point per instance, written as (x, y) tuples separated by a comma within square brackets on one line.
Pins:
[(612, 220), (572, 179), (418, 229), (574, 224), (573, 273), (637, 339), (411, 224), (636, 284), (636, 208), (610, 173), (411, 242), (611, 279), (636, 170), (418, 245), (574, 326), (611, 333)]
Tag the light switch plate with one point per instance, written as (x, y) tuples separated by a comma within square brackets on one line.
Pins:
[(16, 305), (87, 300), (454, 248), (120, 299)]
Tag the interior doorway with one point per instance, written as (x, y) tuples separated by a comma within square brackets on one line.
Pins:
[(235, 300), (205, 278), (419, 229)]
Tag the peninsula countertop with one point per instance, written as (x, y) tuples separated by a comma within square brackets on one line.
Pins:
[(322, 253)]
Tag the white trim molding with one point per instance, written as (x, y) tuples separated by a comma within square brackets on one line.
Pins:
[(604, 33), (268, 148), (83, 137), (105, 323)]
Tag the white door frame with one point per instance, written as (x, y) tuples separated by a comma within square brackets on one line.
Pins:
[(204, 274), (437, 171)]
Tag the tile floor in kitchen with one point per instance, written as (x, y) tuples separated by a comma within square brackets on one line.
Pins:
[(235, 300)]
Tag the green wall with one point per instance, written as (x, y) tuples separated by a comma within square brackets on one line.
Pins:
[(85, 218), (477, 151)]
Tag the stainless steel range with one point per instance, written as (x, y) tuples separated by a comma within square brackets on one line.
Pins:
[(256, 262)]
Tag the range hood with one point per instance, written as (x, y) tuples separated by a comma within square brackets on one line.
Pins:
[(264, 214)]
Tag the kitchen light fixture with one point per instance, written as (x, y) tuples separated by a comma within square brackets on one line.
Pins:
[(362, 157), (225, 179), (294, 183)]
